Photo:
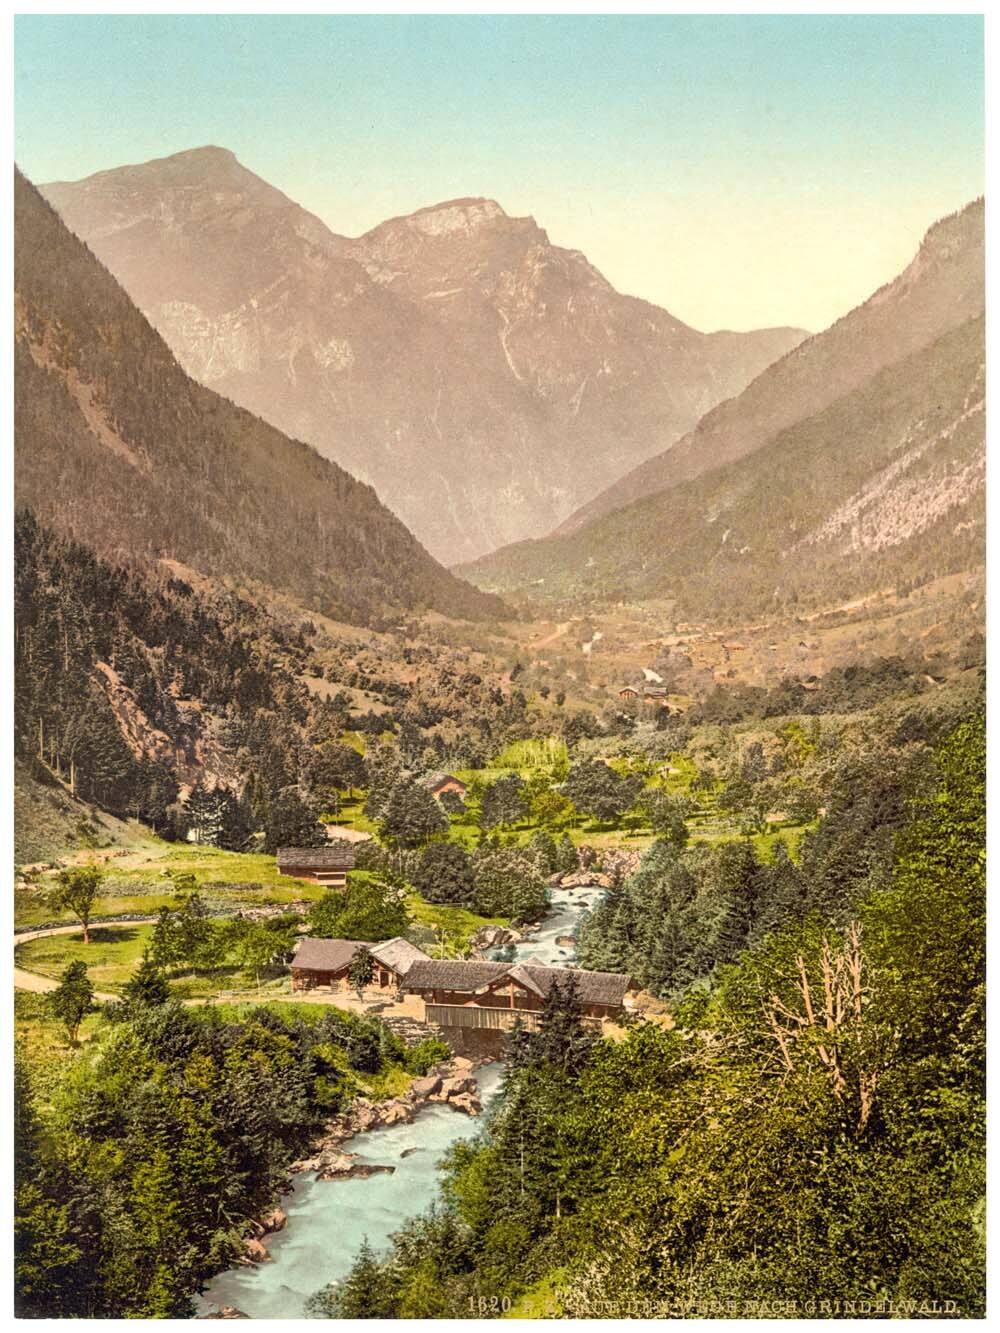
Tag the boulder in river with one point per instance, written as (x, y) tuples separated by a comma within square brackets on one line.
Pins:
[(567, 941), (408, 1152), (255, 1251), (276, 1220), (396, 1113), (455, 1087), (355, 1171), (422, 1088), (466, 1102), (225, 1312)]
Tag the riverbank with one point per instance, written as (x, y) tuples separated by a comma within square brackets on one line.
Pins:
[(390, 1174)]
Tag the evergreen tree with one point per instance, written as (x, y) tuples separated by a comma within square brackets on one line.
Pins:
[(147, 985), (411, 815), (503, 802), (361, 971), (73, 998), (291, 823), (444, 874)]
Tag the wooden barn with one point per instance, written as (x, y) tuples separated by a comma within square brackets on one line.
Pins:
[(319, 865), (496, 995), (326, 964), (628, 693), (438, 783)]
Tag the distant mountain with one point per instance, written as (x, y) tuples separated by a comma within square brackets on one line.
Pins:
[(856, 464), (484, 380), (116, 447), (940, 289)]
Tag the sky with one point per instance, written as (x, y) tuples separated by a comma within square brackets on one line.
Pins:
[(742, 171)]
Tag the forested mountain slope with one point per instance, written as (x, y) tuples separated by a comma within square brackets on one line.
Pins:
[(119, 449), (941, 289), (883, 488), (486, 381)]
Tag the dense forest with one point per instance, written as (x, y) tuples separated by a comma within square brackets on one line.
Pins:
[(176, 1128), (807, 1139)]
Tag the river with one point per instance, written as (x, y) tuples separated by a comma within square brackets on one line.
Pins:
[(328, 1219)]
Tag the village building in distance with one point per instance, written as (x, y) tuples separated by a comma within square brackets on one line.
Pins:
[(656, 696), (438, 783), (319, 865)]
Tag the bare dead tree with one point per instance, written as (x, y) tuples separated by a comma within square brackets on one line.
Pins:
[(830, 1020)]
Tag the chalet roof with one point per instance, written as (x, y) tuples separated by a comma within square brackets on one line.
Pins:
[(327, 955), (399, 954), (453, 974), (334, 955), (337, 856), (591, 987), (434, 780)]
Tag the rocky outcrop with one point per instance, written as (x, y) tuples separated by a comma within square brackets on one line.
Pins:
[(451, 1083), (492, 937), (255, 1252), (466, 355)]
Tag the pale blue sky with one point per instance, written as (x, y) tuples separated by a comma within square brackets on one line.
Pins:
[(741, 171)]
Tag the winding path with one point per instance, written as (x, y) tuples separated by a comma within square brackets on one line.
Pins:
[(34, 981)]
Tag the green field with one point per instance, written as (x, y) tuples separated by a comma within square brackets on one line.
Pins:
[(141, 881)]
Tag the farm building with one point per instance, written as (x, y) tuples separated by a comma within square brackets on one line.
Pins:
[(319, 865), (628, 693), (438, 783), (327, 963), (495, 995)]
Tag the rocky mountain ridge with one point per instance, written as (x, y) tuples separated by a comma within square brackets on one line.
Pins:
[(120, 450), (484, 380), (940, 289)]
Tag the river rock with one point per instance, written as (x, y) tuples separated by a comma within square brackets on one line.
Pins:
[(396, 1113), (357, 1171), (587, 880), (333, 1163), (408, 1152), (422, 1088), (567, 941), (491, 937), (456, 1087), (460, 1063), (466, 1102), (225, 1312), (276, 1220), (256, 1251)]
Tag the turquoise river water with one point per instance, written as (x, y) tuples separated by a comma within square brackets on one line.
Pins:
[(328, 1219)]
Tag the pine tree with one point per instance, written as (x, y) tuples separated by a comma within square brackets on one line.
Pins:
[(73, 998), (147, 985)]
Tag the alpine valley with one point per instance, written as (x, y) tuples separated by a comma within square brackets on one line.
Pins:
[(499, 774), (485, 381)]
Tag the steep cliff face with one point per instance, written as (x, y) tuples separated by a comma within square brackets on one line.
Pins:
[(882, 489), (939, 290), (485, 381)]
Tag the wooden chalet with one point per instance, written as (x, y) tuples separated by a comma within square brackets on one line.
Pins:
[(438, 783), (496, 995), (628, 693), (326, 964), (654, 694), (319, 865)]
